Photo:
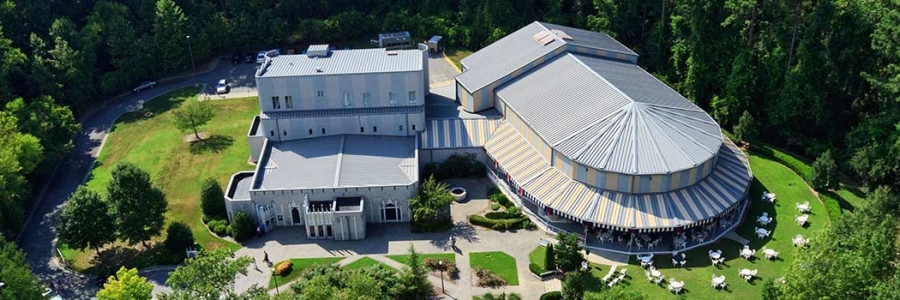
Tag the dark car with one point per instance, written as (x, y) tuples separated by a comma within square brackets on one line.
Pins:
[(249, 58), (236, 58)]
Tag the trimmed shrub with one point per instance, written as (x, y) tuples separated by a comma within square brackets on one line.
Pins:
[(178, 237), (283, 268), (486, 278), (242, 228), (495, 206), (535, 269), (555, 295), (500, 224), (550, 258), (212, 199), (498, 215), (495, 195), (219, 227)]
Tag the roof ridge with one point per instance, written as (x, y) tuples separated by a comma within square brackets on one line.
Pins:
[(655, 146), (676, 109), (688, 136), (596, 136), (609, 151), (634, 134), (614, 87), (667, 137)]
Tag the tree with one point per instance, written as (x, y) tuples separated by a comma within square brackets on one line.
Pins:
[(178, 237), (193, 115), (209, 276), (413, 283), (169, 26), (15, 273), (573, 286), (19, 156), (212, 200), (138, 206), (11, 59), (126, 285), (242, 226), (745, 128), (568, 253), (824, 172), (433, 198), (550, 258), (53, 123), (85, 221)]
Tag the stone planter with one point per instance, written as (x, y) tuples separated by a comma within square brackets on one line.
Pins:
[(458, 193)]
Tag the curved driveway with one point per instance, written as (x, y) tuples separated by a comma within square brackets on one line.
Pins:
[(38, 236)]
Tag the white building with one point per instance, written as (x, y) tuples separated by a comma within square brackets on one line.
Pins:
[(335, 141)]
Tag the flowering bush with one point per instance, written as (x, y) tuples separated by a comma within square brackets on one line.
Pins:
[(283, 268)]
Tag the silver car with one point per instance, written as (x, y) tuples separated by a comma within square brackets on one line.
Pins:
[(144, 85)]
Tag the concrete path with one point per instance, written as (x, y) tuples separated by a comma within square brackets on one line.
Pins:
[(38, 236), (732, 235)]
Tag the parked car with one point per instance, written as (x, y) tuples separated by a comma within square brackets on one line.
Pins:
[(249, 58), (222, 87), (236, 58), (144, 85), (261, 57), (49, 294)]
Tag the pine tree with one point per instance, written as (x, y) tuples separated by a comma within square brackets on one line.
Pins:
[(550, 258)]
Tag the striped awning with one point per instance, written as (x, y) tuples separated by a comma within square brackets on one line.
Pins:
[(457, 133), (698, 204)]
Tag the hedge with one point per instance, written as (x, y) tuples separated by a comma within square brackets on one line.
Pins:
[(501, 224), (555, 295), (497, 215), (496, 196)]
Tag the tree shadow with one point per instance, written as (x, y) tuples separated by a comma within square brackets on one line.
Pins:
[(213, 144), (111, 259)]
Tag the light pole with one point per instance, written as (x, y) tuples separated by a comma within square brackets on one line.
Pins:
[(191, 51), (275, 278), (441, 267)]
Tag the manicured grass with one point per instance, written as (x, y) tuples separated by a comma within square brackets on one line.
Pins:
[(537, 257), (154, 144), (362, 263), (404, 259), (456, 55), (497, 262), (770, 176), (299, 265)]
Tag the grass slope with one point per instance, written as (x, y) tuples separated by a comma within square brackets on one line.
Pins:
[(456, 55), (537, 257), (498, 262), (404, 258), (154, 144), (299, 265), (771, 176), (362, 263)]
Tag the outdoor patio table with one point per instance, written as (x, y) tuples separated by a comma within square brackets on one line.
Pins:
[(716, 255), (645, 237), (769, 252), (746, 252), (655, 273), (719, 280), (765, 219), (803, 207), (646, 258), (762, 231)]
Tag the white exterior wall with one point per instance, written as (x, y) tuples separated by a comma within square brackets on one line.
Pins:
[(299, 128), (427, 156), (304, 90), (375, 197)]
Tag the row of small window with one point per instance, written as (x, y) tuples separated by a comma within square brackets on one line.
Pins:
[(348, 99), (361, 130)]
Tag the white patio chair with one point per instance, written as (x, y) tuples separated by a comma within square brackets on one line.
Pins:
[(683, 261), (660, 279), (622, 272)]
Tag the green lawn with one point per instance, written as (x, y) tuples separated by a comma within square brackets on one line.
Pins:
[(404, 259), (770, 176), (299, 265), (456, 55), (537, 257), (362, 263), (498, 262), (154, 144)]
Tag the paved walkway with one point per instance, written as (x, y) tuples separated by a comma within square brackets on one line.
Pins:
[(382, 239), (737, 238)]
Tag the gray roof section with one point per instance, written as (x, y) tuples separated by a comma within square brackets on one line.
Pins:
[(320, 47), (242, 188), (612, 116), (356, 61), (338, 161), (519, 48), (590, 39), (441, 104)]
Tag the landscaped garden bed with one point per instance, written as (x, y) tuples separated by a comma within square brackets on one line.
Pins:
[(362, 263), (298, 265), (497, 263)]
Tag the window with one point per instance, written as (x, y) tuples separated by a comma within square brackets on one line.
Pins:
[(323, 130), (275, 103), (374, 128), (414, 127), (284, 131), (392, 97), (367, 99), (412, 97), (289, 102), (310, 131), (401, 127), (361, 129), (320, 93), (271, 132), (348, 101)]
